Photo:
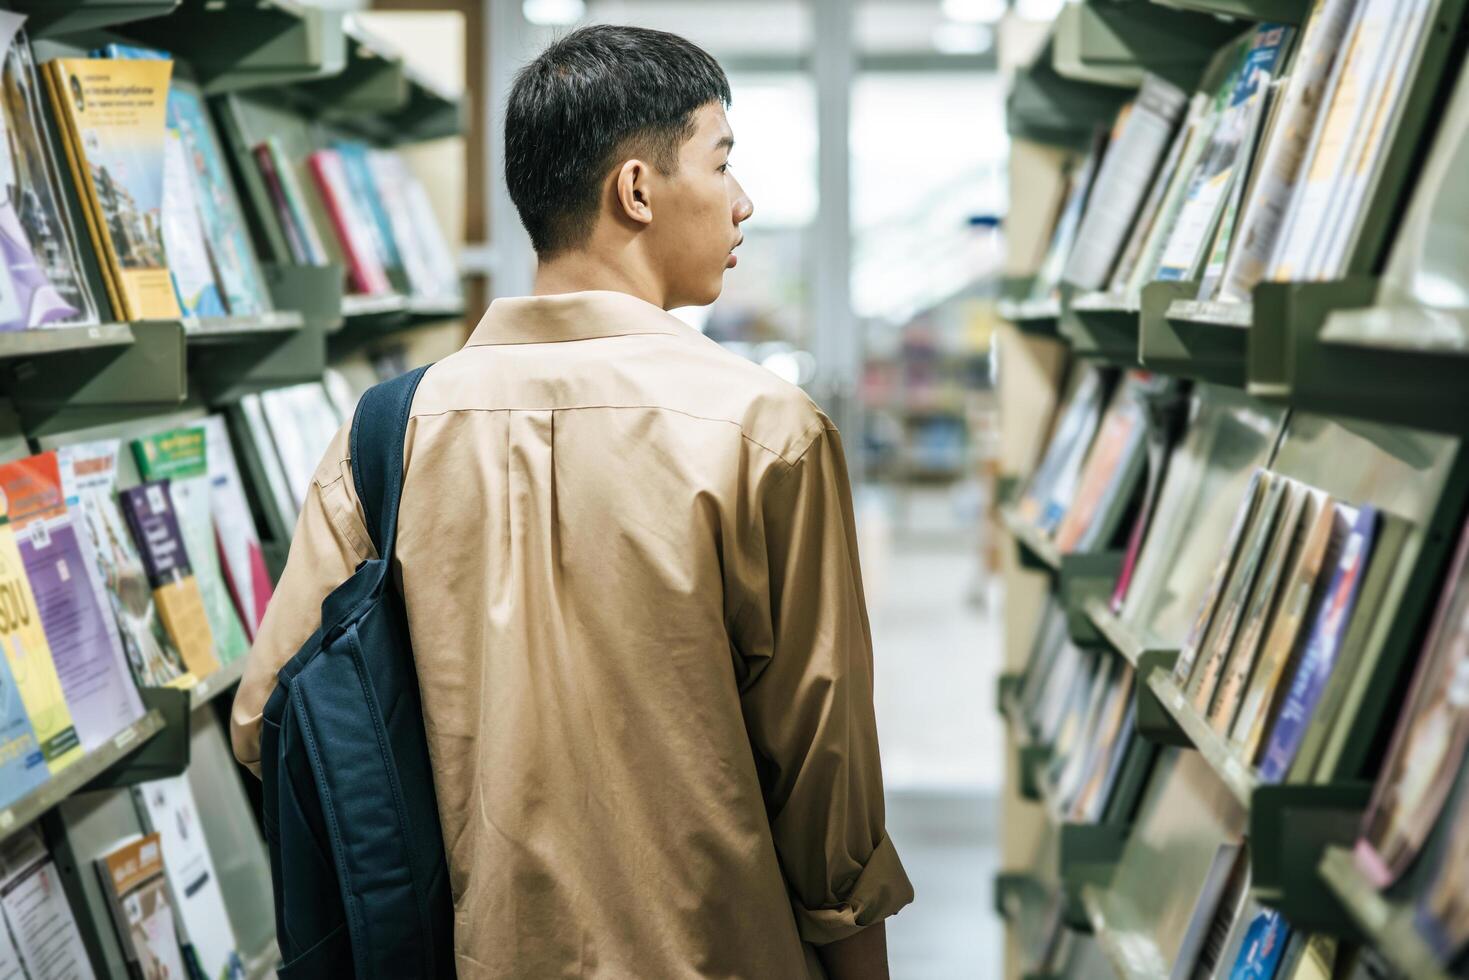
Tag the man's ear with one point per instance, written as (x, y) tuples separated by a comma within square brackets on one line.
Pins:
[(633, 188)]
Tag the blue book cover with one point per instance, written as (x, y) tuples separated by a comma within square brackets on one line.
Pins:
[(22, 765), (1319, 657), (364, 190), (1264, 945)]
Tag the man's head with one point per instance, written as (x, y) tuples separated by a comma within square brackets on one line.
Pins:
[(616, 144)]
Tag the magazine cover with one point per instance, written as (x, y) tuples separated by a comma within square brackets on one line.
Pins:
[(115, 117), (1427, 750), (29, 658), (242, 560), (137, 890), (1319, 656), (89, 474), (431, 267), (36, 910), (1109, 463), (365, 271), (172, 812), (285, 189), (75, 615), (149, 511), (1078, 418), (371, 202), (1442, 913), (1264, 945), (41, 283), (178, 456), (189, 260), (22, 766)]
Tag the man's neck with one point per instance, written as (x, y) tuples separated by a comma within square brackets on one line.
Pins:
[(578, 271)]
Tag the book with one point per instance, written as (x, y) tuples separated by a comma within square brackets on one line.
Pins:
[(1428, 745), (1210, 184), (302, 423), (1161, 432), (256, 434), (180, 456), (41, 282), (1123, 181), (114, 117), (285, 190), (89, 474), (370, 201), (34, 906), (1297, 512), (75, 614), (1063, 236), (1219, 639), (1261, 118), (22, 765), (149, 511), (10, 968), (189, 261), (1264, 945), (354, 230), (1086, 800), (1209, 601), (1441, 911), (29, 658), (1317, 960), (241, 559), (1324, 533), (1223, 885), (1108, 473), (1263, 211), (432, 270), (172, 812), (1319, 656), (134, 882)]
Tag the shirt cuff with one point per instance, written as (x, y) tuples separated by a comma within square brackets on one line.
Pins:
[(879, 891)]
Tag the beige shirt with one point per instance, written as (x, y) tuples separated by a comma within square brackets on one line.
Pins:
[(632, 584)]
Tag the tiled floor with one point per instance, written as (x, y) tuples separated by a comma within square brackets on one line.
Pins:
[(936, 655)]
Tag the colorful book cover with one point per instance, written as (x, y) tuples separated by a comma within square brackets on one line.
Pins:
[(41, 284), (1265, 941), (89, 474), (242, 560), (35, 907), (1442, 912), (136, 887), (354, 231), (300, 251), (278, 167), (189, 259), (370, 201), (179, 456), (115, 115), (430, 265), (22, 766), (31, 666), (1108, 462), (1319, 656), (150, 514), (1428, 747), (75, 615), (172, 811), (1209, 602)]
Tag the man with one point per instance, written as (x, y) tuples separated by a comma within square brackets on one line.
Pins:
[(631, 577)]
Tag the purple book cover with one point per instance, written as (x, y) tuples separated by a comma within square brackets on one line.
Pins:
[(1319, 657), (155, 526)]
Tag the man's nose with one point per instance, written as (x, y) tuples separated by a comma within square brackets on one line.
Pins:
[(743, 206)]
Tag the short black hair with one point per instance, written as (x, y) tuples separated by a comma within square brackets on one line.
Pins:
[(597, 92)]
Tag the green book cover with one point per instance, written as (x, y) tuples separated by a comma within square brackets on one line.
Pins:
[(179, 456)]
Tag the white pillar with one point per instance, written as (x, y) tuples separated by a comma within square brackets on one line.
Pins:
[(506, 43)]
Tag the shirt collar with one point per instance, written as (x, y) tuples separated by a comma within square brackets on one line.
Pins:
[(572, 316)]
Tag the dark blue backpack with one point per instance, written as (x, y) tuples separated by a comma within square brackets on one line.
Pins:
[(356, 853)]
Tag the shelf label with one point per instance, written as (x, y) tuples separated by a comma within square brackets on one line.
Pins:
[(7, 817), (1177, 700), (125, 738)]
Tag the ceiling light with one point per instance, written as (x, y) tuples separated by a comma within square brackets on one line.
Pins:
[(553, 13), (955, 38), (1039, 9), (975, 11)]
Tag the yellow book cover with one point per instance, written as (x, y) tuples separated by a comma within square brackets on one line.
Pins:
[(181, 608), (115, 111), (69, 147), (154, 523), (29, 657)]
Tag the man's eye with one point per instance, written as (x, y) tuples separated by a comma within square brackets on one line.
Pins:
[(725, 168)]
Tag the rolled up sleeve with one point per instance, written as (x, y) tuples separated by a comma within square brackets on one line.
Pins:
[(329, 541), (806, 690)]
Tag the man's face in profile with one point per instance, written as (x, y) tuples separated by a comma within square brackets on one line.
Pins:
[(698, 212)]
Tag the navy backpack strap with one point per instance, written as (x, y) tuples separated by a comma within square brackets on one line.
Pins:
[(378, 429)]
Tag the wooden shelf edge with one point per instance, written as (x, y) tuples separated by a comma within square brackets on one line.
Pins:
[(28, 808)]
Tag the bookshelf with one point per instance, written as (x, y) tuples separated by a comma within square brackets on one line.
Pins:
[(1351, 381), (311, 77)]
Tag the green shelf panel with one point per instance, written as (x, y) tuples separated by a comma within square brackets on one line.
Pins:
[(223, 373), (429, 114), (50, 18), (1035, 550), (1037, 317), (1181, 337), (1044, 107), (73, 778), (1232, 771), (29, 343), (1291, 827), (426, 310), (1129, 948), (1101, 326), (1031, 757), (78, 387), (1114, 44), (1084, 578), (1271, 11), (234, 329), (1121, 637), (233, 45), (165, 754), (216, 683), (1013, 891), (1007, 687), (1318, 347), (1386, 925), (371, 83)]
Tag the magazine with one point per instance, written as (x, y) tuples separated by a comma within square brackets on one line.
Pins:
[(285, 191), (432, 270), (35, 909), (242, 560), (353, 228), (22, 766), (75, 614), (133, 880), (1109, 472)]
